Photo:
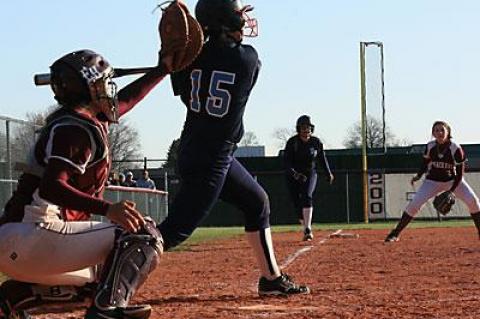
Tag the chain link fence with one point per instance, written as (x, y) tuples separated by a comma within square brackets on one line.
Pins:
[(16, 139)]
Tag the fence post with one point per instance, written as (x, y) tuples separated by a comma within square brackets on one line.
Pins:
[(9, 155), (165, 178), (348, 197)]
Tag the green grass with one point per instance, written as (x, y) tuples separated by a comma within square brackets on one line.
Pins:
[(204, 234)]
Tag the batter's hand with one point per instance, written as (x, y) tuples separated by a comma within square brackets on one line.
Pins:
[(414, 179), (124, 214)]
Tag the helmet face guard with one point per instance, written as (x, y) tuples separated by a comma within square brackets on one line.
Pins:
[(103, 92), (85, 77), (250, 27), (226, 16)]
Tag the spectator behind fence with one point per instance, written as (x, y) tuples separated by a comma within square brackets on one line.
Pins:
[(112, 179), (121, 179), (145, 181), (129, 181)]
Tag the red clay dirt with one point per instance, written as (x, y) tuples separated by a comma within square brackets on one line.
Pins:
[(430, 273)]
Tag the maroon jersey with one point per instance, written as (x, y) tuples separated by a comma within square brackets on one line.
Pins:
[(443, 161), (75, 138), (73, 146)]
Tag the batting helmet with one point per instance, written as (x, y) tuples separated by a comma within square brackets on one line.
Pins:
[(85, 77), (217, 16), (304, 120)]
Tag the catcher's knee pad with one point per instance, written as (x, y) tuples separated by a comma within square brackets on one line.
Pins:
[(130, 262)]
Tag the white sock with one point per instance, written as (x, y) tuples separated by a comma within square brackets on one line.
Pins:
[(307, 218), (261, 243), (301, 222)]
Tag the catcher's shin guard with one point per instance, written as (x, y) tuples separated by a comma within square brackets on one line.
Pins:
[(130, 262)]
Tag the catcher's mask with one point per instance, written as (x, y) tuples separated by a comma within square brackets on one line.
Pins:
[(85, 77), (217, 16), (304, 120)]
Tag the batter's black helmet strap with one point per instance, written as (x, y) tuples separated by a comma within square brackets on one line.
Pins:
[(127, 267)]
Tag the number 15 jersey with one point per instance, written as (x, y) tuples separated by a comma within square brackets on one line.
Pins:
[(215, 90)]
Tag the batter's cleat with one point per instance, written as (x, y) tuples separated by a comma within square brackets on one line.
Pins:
[(281, 286), (391, 238), (130, 312), (307, 235)]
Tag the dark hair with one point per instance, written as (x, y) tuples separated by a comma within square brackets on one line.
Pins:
[(449, 129)]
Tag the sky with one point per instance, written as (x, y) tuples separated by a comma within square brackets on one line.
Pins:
[(310, 63)]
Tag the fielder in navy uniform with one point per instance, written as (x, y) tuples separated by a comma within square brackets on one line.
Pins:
[(444, 163), (302, 152), (215, 90)]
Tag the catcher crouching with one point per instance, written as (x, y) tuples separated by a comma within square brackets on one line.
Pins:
[(48, 248)]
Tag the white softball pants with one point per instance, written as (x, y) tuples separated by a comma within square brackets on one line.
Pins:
[(54, 252), (431, 188)]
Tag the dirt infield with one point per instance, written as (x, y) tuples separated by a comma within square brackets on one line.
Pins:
[(430, 273)]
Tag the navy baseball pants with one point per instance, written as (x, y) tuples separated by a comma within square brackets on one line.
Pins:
[(302, 192), (202, 184)]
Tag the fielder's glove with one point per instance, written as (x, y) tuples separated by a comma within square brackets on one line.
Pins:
[(443, 202), (181, 36)]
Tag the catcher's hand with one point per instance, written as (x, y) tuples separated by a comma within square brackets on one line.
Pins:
[(126, 215), (181, 36), (443, 202)]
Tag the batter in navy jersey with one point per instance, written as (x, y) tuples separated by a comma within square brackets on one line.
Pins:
[(444, 163), (301, 155), (215, 90)]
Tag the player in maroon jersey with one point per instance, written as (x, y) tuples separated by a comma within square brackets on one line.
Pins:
[(444, 164)]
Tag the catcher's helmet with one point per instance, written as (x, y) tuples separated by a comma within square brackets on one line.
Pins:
[(85, 77), (216, 16), (304, 120)]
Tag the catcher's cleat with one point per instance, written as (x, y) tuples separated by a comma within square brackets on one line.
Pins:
[(281, 286), (130, 312), (20, 314), (307, 235)]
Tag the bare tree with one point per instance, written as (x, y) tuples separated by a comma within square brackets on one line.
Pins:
[(282, 135), (374, 135), (123, 139), (124, 145), (249, 139), (22, 136)]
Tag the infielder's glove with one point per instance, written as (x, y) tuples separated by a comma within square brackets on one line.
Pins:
[(181, 36), (443, 202)]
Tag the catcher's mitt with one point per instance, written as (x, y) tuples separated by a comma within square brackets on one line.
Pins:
[(443, 202), (180, 34)]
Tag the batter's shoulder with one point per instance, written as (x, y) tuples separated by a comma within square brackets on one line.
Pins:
[(249, 54)]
